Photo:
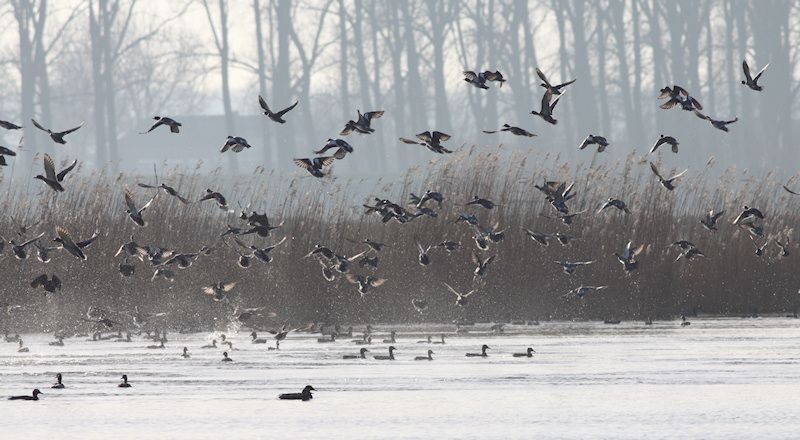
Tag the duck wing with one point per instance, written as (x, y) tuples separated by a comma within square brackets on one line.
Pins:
[(287, 109), (39, 126), (746, 69), (60, 176)]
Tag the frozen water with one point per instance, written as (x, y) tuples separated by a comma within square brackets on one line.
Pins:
[(718, 378)]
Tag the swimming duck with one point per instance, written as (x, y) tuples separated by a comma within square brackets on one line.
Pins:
[(325, 340), (174, 126), (35, 396), (461, 299), (718, 124), (569, 266), (592, 139), (237, 144), (479, 79), (669, 140), (304, 395), (391, 339), (50, 285), (341, 145), (441, 342), (58, 385), (365, 340), (21, 348), (555, 90), (684, 322), (362, 125), (513, 130), (68, 244), (528, 353), (386, 358), (275, 116), (616, 203), (56, 136), (256, 340), (429, 357), (666, 183), (546, 110), (212, 345), (59, 342), (222, 203), (160, 345), (186, 354), (484, 347), (752, 81), (710, 220), (50, 177), (225, 357), (315, 166), (124, 383), (427, 341), (361, 355)]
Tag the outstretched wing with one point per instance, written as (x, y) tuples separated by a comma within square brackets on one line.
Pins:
[(760, 72), (37, 125), (66, 171), (263, 104), (655, 170), (49, 168), (286, 110), (129, 201), (66, 132), (746, 69)]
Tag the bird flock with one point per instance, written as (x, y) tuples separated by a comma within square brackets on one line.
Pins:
[(252, 236)]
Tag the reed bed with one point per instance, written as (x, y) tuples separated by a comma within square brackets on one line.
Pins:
[(523, 283)]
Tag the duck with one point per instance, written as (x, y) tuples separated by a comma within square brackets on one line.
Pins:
[(225, 357), (19, 248), (365, 283), (275, 116), (254, 339), (616, 203), (710, 220), (167, 189), (9, 125), (429, 340), (219, 291), (569, 267), (528, 353), (50, 177), (429, 357), (391, 339), (341, 145), (50, 285), (362, 124), (461, 299), (186, 354), (124, 383), (304, 395), (555, 90), (22, 348), (582, 291), (546, 110), (752, 81), (666, 183), (59, 342), (719, 124), (511, 129), (419, 304), (748, 215), (212, 345), (441, 341), (327, 340), (64, 239), (432, 140), (593, 139), (390, 357), (222, 202), (479, 79), (58, 385), (35, 396), (237, 144), (484, 347), (161, 345), (628, 257), (669, 140), (424, 257), (684, 322), (366, 340), (485, 203), (316, 165), (361, 355), (174, 126), (56, 136), (482, 264)]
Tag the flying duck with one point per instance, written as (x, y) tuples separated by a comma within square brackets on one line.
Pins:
[(174, 126), (275, 116), (50, 285), (341, 145), (616, 203), (666, 183), (752, 81), (718, 124), (592, 139), (669, 140), (555, 90), (710, 220), (479, 79), (50, 177), (513, 130), (461, 299), (56, 136), (362, 125), (546, 111), (315, 165)]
